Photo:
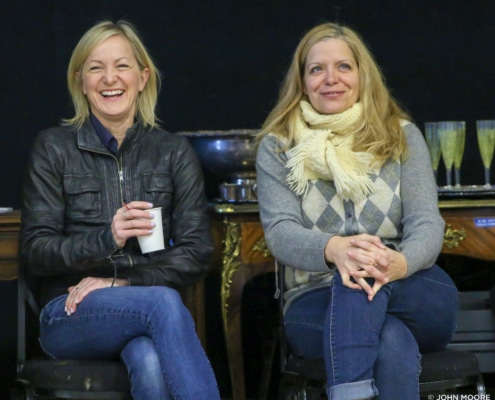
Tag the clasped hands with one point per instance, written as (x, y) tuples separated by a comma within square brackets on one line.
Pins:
[(364, 256)]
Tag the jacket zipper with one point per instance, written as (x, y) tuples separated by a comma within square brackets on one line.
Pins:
[(121, 180)]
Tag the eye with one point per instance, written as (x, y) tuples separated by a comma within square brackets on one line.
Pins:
[(345, 67), (315, 69), (94, 68), (123, 66)]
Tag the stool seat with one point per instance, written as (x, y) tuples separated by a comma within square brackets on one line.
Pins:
[(440, 371), (450, 369), (448, 364), (76, 375)]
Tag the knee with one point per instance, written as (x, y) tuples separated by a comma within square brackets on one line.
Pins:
[(150, 366), (144, 368), (398, 348), (167, 302), (141, 358), (398, 342)]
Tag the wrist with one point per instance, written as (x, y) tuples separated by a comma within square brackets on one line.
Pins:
[(329, 252), (120, 282)]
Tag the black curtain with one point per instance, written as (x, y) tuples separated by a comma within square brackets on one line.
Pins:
[(223, 62)]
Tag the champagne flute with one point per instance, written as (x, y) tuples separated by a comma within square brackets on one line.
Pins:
[(486, 143), (461, 141), (447, 133), (433, 143)]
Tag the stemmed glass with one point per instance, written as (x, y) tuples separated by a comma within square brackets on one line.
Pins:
[(459, 152), (433, 143), (447, 133), (486, 144)]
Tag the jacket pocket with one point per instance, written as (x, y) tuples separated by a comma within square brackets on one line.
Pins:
[(158, 188), (82, 196)]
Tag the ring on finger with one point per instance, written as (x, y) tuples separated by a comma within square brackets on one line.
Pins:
[(124, 214)]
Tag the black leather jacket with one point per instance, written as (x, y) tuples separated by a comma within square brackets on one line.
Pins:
[(72, 190)]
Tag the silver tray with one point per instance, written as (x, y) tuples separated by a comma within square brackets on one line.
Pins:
[(478, 191)]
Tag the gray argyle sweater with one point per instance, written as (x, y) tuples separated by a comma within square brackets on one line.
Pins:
[(402, 211)]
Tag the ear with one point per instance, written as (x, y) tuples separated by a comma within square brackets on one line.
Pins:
[(145, 74), (77, 75)]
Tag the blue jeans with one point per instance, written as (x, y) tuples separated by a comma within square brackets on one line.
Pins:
[(148, 327), (375, 347)]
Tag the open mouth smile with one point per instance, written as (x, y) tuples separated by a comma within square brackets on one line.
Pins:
[(112, 93)]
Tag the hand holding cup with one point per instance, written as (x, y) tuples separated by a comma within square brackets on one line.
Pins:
[(139, 219)]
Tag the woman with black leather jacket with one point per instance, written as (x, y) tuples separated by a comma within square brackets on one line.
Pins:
[(89, 187)]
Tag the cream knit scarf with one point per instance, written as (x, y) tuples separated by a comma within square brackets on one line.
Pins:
[(323, 151)]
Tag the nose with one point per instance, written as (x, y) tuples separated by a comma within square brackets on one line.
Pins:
[(110, 75), (331, 77)]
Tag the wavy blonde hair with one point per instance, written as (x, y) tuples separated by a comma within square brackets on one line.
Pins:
[(147, 99), (378, 132)]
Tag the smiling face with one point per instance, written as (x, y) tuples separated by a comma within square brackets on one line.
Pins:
[(111, 80), (331, 79)]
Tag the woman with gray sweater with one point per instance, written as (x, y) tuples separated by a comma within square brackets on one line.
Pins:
[(348, 204)]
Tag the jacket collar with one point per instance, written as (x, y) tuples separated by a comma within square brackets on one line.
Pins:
[(88, 139)]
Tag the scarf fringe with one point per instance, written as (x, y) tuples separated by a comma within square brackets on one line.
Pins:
[(300, 174)]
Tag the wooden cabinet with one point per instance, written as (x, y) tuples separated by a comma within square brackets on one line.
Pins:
[(243, 254), (9, 236), (469, 228)]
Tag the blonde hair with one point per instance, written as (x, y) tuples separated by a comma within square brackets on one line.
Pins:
[(147, 99), (379, 131)]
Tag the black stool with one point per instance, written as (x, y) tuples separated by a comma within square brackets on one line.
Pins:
[(442, 371)]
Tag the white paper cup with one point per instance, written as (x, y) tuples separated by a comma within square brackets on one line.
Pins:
[(154, 241)]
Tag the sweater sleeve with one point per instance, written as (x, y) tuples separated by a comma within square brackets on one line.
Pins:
[(280, 211), (423, 226)]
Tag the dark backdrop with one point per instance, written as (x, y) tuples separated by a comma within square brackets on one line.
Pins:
[(223, 60), (222, 63)]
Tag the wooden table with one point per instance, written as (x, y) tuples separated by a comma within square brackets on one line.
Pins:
[(9, 235), (469, 231)]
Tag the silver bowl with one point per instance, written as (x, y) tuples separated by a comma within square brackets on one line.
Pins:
[(228, 155)]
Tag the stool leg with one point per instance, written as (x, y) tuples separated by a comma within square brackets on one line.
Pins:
[(269, 351), (480, 385)]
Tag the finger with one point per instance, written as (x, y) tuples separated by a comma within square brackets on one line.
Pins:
[(72, 300), (367, 241), (382, 265), (348, 282), (134, 214), (365, 286), (370, 271), (364, 257), (376, 287), (138, 205), (139, 227)]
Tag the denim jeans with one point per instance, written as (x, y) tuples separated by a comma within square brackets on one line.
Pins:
[(374, 348), (148, 327)]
